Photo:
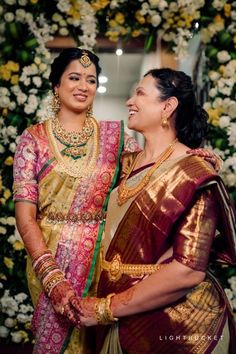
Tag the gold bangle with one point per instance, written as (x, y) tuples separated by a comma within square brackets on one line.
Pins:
[(103, 311)]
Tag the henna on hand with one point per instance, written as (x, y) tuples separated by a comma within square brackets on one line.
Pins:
[(123, 298), (60, 297)]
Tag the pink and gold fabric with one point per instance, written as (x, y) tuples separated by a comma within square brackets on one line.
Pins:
[(181, 208), (71, 216)]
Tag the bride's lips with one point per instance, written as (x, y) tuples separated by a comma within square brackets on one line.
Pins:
[(80, 97)]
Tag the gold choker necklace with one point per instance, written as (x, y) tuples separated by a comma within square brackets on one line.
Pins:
[(124, 192), (74, 138), (78, 168)]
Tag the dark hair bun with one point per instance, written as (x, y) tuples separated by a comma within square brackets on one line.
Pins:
[(190, 119)]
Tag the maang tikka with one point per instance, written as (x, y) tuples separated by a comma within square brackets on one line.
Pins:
[(85, 60)]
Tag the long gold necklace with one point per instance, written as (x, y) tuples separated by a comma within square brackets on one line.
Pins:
[(125, 192), (86, 164), (73, 138)]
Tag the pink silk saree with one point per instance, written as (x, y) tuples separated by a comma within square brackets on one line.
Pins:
[(39, 179)]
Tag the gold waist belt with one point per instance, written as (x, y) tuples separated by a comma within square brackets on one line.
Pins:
[(79, 218), (116, 268)]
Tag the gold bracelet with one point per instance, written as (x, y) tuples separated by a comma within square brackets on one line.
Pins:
[(103, 311)]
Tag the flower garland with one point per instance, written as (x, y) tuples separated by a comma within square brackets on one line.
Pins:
[(26, 28)]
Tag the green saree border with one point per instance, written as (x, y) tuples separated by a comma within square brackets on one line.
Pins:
[(101, 227)]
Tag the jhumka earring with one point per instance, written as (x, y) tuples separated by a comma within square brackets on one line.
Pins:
[(55, 103), (164, 122), (89, 112)]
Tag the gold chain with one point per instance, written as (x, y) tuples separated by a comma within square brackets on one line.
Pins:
[(73, 138), (83, 166), (124, 192)]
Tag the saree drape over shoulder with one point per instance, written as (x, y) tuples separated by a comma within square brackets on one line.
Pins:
[(180, 208), (71, 214)]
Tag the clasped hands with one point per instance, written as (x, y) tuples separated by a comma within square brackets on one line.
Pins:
[(78, 311)]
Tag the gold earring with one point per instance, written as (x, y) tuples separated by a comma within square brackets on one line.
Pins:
[(89, 112), (164, 122), (53, 105), (56, 103)]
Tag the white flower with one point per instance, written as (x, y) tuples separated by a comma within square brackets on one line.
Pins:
[(11, 131), (16, 337), (20, 14), (3, 332), (12, 147), (233, 303), (9, 17), (37, 81), (63, 5), (155, 20), (22, 318), (9, 322), (213, 75), (223, 56), (213, 92), (228, 293), (10, 2), (22, 2), (21, 98), (224, 121), (20, 297), (1, 285), (2, 150), (3, 230), (63, 31), (56, 17), (218, 4)]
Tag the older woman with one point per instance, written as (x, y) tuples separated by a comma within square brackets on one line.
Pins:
[(168, 219)]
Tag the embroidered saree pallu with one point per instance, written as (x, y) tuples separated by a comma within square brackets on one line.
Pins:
[(180, 209), (71, 213)]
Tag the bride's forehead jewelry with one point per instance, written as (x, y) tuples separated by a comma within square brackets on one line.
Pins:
[(85, 60)]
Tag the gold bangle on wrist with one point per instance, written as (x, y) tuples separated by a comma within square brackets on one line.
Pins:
[(103, 311)]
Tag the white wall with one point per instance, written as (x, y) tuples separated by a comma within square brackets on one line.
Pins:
[(110, 108)]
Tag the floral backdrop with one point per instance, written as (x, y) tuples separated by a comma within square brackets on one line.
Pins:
[(26, 28)]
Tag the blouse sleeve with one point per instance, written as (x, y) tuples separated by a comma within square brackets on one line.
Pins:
[(130, 144), (25, 186), (194, 236)]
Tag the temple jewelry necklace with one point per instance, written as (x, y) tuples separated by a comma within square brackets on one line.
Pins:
[(83, 166), (74, 138), (125, 192)]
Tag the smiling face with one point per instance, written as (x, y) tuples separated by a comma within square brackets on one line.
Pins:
[(146, 108), (77, 87)]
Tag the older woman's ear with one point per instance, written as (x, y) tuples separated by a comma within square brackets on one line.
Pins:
[(170, 106)]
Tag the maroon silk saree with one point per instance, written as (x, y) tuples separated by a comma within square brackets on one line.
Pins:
[(180, 208)]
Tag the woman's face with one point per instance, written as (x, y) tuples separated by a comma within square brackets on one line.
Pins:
[(145, 106), (77, 87)]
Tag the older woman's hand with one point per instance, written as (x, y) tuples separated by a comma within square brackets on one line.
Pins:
[(209, 156)]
